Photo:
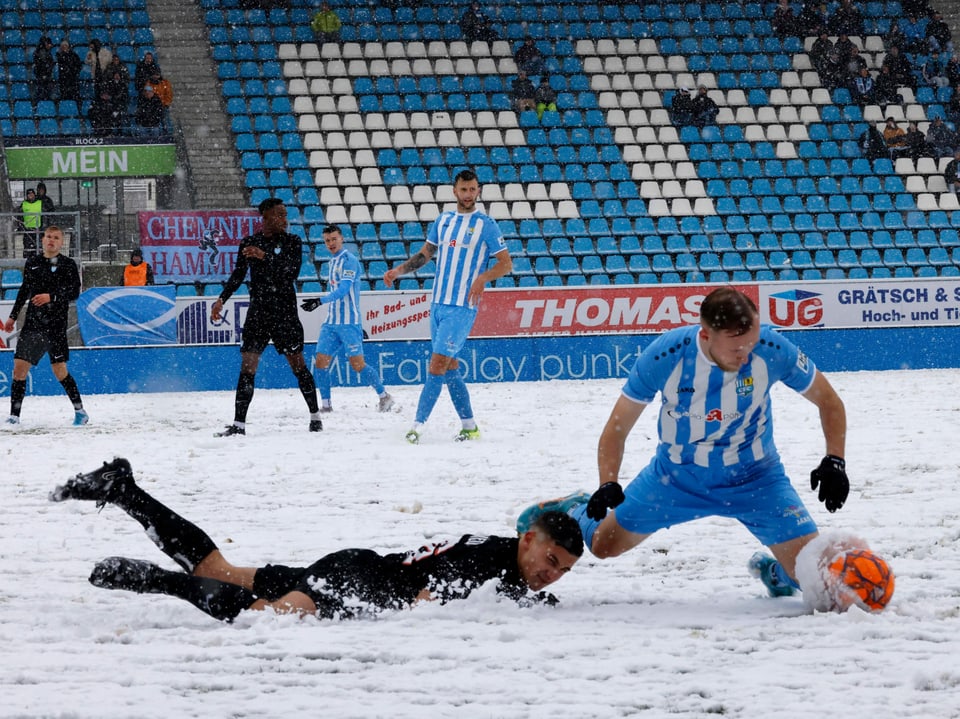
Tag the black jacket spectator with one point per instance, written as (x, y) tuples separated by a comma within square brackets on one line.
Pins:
[(475, 25), (43, 64), (69, 65), (872, 144), (682, 108)]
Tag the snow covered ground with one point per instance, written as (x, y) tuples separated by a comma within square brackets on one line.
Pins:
[(676, 628)]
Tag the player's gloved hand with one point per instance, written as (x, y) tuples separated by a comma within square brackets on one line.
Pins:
[(311, 304), (831, 476), (607, 497)]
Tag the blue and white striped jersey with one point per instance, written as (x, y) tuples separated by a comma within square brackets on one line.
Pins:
[(343, 300), (464, 244), (709, 417)]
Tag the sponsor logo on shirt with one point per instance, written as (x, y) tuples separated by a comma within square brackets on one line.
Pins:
[(713, 415)]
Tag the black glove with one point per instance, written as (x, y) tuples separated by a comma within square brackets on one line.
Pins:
[(607, 497), (831, 475), (311, 305)]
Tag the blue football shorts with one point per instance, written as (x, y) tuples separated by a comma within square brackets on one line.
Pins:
[(333, 337), (450, 326), (762, 499)]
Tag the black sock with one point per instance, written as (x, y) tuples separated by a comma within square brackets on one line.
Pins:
[(18, 390), (182, 541), (218, 599), (69, 385), (244, 397), (308, 389)]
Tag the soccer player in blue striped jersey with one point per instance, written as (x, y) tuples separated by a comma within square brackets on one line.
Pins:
[(716, 454), (342, 327), (462, 241)]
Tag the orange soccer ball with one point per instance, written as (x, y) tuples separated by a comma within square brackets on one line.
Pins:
[(866, 576)]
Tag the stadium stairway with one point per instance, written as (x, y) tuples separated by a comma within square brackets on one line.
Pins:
[(181, 38)]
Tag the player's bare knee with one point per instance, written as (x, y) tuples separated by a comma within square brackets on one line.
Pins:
[(358, 363)]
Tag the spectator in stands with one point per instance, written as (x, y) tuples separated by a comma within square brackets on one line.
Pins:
[(43, 64), (939, 36), (855, 63), (846, 19), (149, 115), (812, 18), (899, 67), (118, 88), (546, 97), (953, 113), (872, 144), (894, 36), (914, 34), (833, 71), (942, 140), (920, 8), (98, 58), (163, 88), (100, 114), (916, 142), (934, 70), (951, 173), (885, 88), (523, 93), (953, 71), (863, 89), (31, 221), (784, 22), (705, 110), (820, 50), (138, 273), (528, 57), (844, 47), (326, 25), (116, 66), (146, 69), (895, 139), (69, 65), (46, 202), (681, 108), (475, 25)]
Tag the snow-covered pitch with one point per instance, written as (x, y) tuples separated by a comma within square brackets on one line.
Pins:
[(675, 628)]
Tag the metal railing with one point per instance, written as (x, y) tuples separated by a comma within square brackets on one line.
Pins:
[(14, 236)]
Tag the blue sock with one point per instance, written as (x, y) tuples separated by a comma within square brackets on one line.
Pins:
[(779, 576), (587, 526), (428, 396), (371, 378), (323, 383), (459, 394)]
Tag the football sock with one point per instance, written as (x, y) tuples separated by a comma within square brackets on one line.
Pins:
[(18, 389), (459, 394), (323, 384), (428, 396), (181, 540), (370, 377), (69, 385), (307, 388), (218, 599), (780, 578), (587, 526), (244, 397)]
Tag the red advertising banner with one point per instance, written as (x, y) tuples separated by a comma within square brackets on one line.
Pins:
[(200, 245), (591, 310)]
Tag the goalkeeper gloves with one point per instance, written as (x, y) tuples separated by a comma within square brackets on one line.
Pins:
[(607, 497), (831, 476), (312, 304)]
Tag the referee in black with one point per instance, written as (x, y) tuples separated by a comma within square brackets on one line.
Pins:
[(51, 282), (273, 257), (341, 585)]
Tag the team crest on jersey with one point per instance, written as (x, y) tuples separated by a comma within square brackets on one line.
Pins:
[(802, 361), (744, 386)]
